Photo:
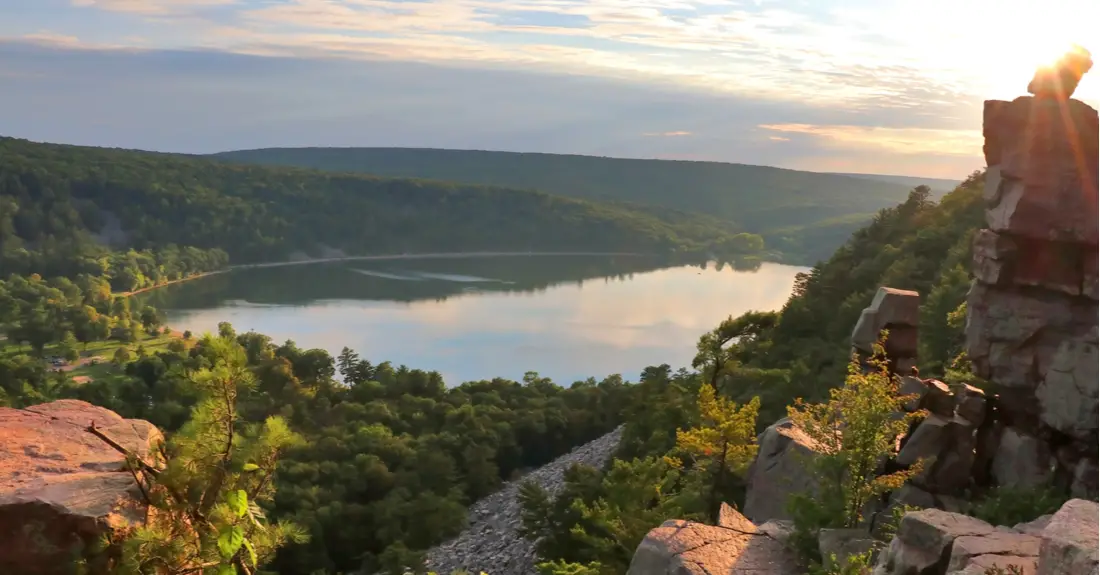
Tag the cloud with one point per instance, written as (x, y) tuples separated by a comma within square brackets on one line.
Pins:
[(151, 7), (667, 134), (965, 143)]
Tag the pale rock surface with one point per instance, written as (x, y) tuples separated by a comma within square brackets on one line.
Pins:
[(687, 548), (1070, 541), (779, 471)]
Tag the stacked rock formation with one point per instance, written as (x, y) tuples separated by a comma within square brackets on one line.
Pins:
[(61, 488), (898, 312), (1032, 309)]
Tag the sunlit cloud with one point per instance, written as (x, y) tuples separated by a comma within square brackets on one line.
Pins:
[(901, 77), (151, 7)]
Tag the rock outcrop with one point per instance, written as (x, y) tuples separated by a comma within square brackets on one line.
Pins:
[(779, 471), (1032, 309), (491, 543), (898, 312), (61, 488), (935, 542), (733, 547)]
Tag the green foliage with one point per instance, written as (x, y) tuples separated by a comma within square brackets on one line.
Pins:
[(851, 565), (603, 519), (807, 215), (59, 202), (852, 433), (204, 512), (563, 568), (1012, 505), (721, 447)]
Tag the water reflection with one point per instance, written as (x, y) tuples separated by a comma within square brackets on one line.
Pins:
[(567, 318)]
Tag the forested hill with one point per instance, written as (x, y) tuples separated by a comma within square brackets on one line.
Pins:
[(774, 202), (59, 204)]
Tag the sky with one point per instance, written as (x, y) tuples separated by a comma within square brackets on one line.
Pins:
[(872, 86)]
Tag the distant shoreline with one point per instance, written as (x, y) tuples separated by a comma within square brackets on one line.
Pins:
[(440, 255)]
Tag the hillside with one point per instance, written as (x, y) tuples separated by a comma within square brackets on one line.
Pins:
[(59, 203), (758, 199)]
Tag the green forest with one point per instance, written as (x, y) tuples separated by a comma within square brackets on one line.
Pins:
[(352, 465), (803, 215), (64, 208)]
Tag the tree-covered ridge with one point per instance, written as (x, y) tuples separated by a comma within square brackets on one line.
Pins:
[(772, 202), (57, 199)]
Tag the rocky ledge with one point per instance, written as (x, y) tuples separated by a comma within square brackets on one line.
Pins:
[(491, 543), (61, 487)]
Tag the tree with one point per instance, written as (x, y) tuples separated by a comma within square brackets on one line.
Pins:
[(724, 442), (217, 470), (122, 356), (853, 431), (67, 348)]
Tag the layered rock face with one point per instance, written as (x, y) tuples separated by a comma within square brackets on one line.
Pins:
[(492, 542), (61, 488), (1032, 309)]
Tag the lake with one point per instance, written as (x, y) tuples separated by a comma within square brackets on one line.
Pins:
[(565, 317)]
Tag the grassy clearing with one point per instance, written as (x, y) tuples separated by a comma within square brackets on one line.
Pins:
[(95, 360)]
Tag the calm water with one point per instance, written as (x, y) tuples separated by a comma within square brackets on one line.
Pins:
[(567, 318)]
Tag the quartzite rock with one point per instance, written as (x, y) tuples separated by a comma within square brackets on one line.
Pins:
[(687, 548), (1042, 155), (60, 486), (923, 542), (1068, 394), (780, 470), (1070, 542), (894, 310), (1021, 460)]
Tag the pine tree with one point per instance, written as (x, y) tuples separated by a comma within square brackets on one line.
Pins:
[(724, 443), (205, 492)]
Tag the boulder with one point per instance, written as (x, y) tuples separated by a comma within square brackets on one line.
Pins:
[(938, 398), (1035, 526), (966, 548), (926, 441), (62, 488), (1069, 541), (970, 404), (912, 386), (688, 548), (779, 470), (1021, 460), (891, 309), (924, 540)]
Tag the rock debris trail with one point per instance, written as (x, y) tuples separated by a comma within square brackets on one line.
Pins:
[(491, 542)]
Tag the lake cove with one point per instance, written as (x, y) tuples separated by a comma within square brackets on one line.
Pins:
[(566, 317)]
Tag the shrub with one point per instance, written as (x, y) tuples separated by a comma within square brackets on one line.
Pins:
[(1012, 505), (854, 431)]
